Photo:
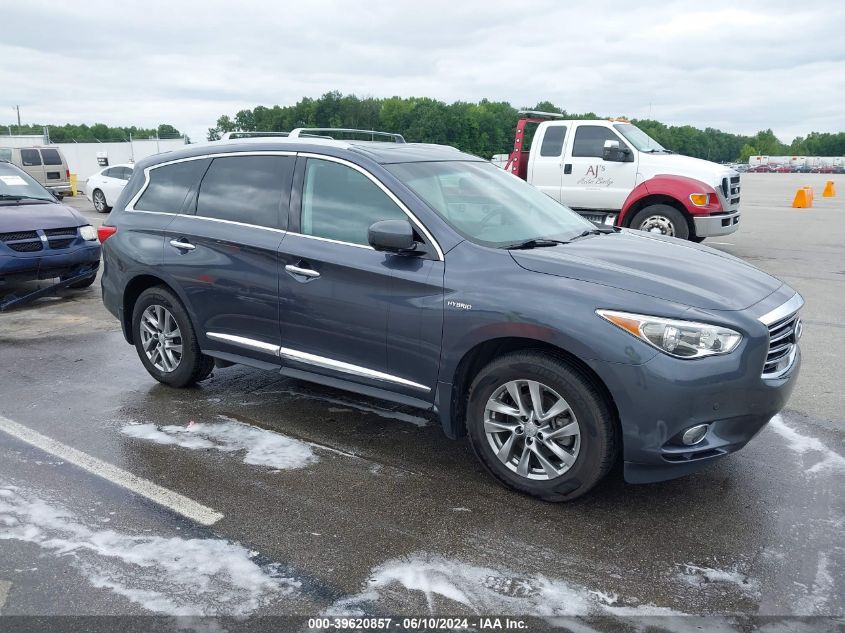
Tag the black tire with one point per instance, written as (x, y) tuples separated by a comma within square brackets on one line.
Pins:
[(194, 366), (99, 199), (83, 283), (662, 216), (599, 443)]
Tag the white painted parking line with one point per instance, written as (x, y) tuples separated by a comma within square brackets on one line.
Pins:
[(169, 499), (5, 585)]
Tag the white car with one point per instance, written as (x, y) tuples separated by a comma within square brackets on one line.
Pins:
[(103, 188)]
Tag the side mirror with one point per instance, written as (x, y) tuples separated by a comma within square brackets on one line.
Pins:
[(392, 236), (613, 152), (58, 195)]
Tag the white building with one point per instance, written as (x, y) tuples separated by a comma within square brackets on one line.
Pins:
[(82, 157)]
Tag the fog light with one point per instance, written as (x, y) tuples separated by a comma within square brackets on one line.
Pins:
[(694, 434)]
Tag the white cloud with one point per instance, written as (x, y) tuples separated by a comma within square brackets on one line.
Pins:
[(739, 68)]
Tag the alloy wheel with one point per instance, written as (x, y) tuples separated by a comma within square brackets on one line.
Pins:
[(99, 201), (161, 338), (532, 429)]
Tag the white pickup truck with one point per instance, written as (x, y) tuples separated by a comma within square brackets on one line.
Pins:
[(612, 172)]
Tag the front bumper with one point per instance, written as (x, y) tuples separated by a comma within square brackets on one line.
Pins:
[(713, 225), (660, 399), (14, 268)]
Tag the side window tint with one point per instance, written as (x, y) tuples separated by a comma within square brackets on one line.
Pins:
[(30, 157), (340, 203), (553, 141), (589, 140), (6, 153), (170, 185), (127, 173), (110, 172), (247, 189), (51, 156)]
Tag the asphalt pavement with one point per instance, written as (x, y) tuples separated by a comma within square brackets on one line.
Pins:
[(323, 502)]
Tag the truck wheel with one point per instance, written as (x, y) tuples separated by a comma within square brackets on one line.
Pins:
[(540, 427), (663, 219), (165, 340)]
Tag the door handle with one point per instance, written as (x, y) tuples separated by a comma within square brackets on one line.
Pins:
[(305, 272), (184, 246), (567, 168)]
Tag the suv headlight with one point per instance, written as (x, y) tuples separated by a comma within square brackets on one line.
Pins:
[(681, 339), (88, 232)]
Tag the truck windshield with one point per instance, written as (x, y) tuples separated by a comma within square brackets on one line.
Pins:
[(18, 185), (488, 205), (639, 139)]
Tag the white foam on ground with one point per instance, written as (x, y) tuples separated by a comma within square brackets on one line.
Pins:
[(482, 590), (171, 576), (416, 420), (820, 598), (801, 444), (260, 446), (700, 576)]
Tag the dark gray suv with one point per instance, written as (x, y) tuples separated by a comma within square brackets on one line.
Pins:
[(428, 277)]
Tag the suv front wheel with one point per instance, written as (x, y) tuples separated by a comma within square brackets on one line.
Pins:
[(540, 426), (165, 340)]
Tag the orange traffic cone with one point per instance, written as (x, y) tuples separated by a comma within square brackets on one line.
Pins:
[(810, 192), (829, 190), (803, 199)]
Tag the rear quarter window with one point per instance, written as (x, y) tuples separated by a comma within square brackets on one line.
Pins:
[(51, 157), (6, 153), (170, 185), (30, 157)]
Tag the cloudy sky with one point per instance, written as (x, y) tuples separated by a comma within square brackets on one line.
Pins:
[(739, 66)]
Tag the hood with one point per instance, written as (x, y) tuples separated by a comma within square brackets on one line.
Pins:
[(711, 173), (656, 266), (33, 216)]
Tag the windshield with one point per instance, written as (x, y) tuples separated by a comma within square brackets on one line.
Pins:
[(16, 184), (488, 205), (639, 139)]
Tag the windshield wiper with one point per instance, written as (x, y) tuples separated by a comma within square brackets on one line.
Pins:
[(533, 243), (8, 196), (598, 231)]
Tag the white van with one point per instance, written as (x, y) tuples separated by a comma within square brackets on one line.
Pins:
[(46, 164)]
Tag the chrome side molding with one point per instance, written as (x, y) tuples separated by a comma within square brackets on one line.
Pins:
[(313, 359)]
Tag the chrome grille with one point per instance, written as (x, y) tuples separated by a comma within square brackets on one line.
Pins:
[(784, 326)]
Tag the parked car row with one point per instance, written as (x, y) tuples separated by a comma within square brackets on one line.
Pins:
[(104, 187), (429, 277), (776, 168)]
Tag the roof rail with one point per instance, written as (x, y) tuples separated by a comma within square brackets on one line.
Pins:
[(541, 115), (233, 135), (315, 131)]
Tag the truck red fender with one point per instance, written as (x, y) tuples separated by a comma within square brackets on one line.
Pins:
[(678, 188)]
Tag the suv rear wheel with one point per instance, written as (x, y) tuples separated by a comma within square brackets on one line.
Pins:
[(540, 426), (165, 340)]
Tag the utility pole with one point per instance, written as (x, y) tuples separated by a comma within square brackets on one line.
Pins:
[(18, 109)]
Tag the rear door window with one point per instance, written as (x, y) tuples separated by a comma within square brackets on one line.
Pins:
[(553, 141), (51, 157), (247, 189), (170, 185), (30, 157), (589, 140)]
